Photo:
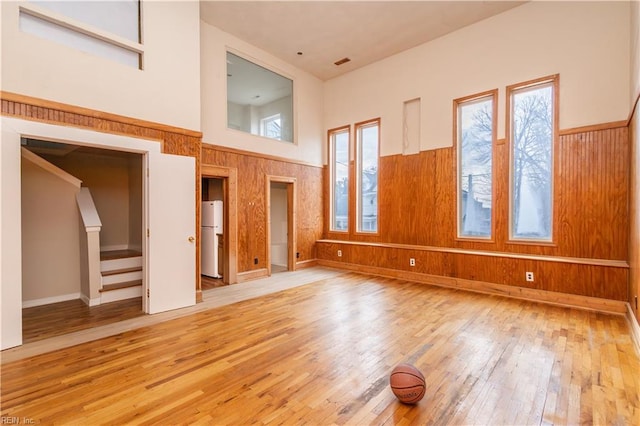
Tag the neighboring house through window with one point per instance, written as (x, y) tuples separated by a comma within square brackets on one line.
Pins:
[(339, 168), (367, 151)]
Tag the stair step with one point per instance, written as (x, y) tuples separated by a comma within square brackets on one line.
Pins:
[(121, 271), (118, 254), (117, 286)]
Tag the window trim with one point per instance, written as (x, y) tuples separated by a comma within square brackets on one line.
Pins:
[(263, 126), (356, 182), (554, 82), (493, 95), (80, 27), (331, 162)]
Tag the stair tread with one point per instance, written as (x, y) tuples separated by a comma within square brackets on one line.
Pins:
[(117, 286), (118, 254), (121, 271)]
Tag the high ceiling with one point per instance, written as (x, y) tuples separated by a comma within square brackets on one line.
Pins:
[(326, 32)]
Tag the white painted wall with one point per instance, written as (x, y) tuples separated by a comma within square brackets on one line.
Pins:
[(587, 43), (308, 128), (10, 241), (107, 177), (166, 91), (50, 237)]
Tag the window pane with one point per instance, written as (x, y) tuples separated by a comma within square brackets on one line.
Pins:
[(475, 148), (368, 178), (340, 174), (254, 94), (83, 42), (532, 139), (119, 17)]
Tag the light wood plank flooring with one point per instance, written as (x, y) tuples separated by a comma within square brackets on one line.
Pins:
[(321, 354)]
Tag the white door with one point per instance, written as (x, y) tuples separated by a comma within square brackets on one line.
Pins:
[(171, 221)]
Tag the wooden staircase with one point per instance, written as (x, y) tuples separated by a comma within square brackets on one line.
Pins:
[(121, 272)]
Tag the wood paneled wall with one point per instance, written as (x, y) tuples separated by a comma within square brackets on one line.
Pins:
[(253, 170), (634, 215), (417, 196)]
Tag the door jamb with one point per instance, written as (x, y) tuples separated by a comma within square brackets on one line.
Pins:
[(230, 189), (291, 218)]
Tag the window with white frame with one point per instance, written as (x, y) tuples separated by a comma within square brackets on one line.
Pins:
[(532, 129), (271, 127), (475, 125), (367, 149), (339, 169), (110, 29)]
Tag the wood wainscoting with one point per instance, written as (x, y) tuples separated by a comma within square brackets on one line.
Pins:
[(253, 171), (588, 257)]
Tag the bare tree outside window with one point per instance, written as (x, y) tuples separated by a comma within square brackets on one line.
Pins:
[(531, 162), (475, 177), (367, 179)]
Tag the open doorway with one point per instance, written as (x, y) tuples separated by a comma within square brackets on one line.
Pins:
[(213, 257), (60, 184), (281, 238), (167, 230)]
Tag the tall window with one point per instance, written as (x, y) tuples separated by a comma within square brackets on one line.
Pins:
[(367, 142), (110, 29), (475, 124), (339, 164), (533, 123)]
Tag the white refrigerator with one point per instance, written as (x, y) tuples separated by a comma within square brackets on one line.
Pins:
[(212, 221)]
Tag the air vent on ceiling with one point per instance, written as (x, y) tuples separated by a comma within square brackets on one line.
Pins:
[(342, 61)]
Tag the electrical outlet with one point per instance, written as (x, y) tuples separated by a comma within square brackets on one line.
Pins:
[(339, 253), (255, 260), (529, 276), (412, 262), (297, 255)]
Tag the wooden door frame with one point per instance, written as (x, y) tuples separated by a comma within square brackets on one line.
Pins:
[(230, 225), (291, 219)]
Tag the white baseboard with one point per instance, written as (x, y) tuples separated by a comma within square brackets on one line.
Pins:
[(634, 328), (90, 302), (49, 300)]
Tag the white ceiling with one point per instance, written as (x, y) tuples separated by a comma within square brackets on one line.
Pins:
[(327, 31)]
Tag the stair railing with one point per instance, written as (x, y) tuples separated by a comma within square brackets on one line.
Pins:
[(89, 248)]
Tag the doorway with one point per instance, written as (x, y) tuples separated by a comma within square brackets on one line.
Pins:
[(168, 217), (281, 238), (218, 180), (212, 233), (58, 297)]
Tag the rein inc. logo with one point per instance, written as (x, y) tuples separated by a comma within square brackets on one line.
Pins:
[(7, 420)]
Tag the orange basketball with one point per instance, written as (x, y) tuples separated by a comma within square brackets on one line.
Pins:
[(407, 383)]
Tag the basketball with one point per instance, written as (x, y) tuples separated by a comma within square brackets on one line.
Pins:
[(407, 383)]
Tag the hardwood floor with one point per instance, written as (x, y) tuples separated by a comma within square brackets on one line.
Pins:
[(321, 354), (208, 283), (56, 319)]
